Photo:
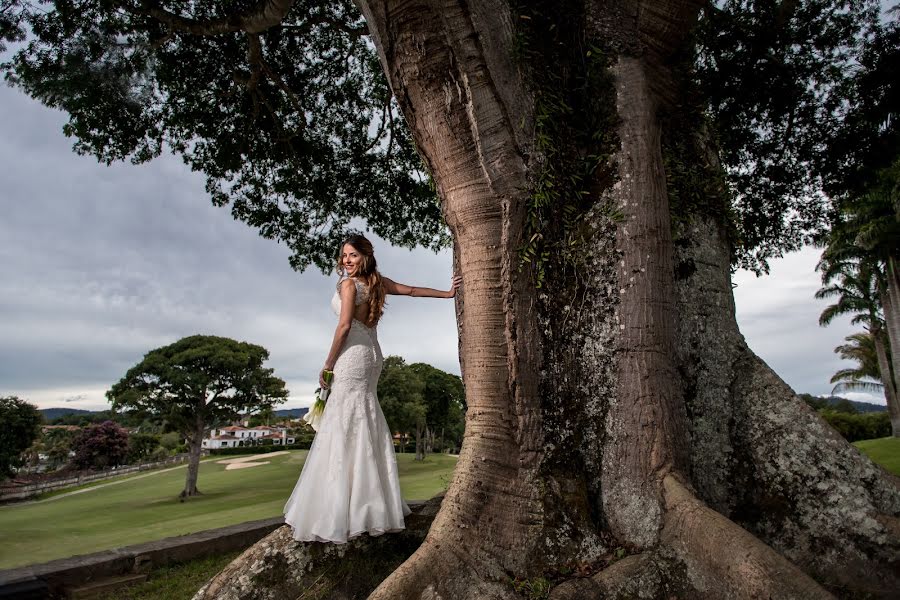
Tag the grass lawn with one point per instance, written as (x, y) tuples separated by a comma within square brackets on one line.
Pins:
[(178, 582), (884, 451), (146, 509)]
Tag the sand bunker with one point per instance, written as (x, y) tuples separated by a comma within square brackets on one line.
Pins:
[(244, 465), (243, 462)]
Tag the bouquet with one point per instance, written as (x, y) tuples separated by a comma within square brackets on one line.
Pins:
[(314, 415)]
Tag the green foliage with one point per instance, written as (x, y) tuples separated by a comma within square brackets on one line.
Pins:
[(199, 380), (858, 426), (400, 393), (574, 131), (170, 441), (866, 376), (777, 77), (536, 588), (419, 396), (174, 582), (20, 425), (445, 404), (141, 447), (100, 446), (294, 127)]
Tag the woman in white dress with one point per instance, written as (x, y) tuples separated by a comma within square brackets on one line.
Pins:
[(349, 483)]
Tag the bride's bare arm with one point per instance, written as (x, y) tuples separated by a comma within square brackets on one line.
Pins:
[(348, 298), (400, 289)]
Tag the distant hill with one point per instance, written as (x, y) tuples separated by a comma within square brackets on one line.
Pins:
[(294, 413), (829, 401), (55, 413), (863, 407)]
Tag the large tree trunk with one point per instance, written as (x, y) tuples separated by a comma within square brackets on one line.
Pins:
[(195, 446), (616, 406), (420, 441)]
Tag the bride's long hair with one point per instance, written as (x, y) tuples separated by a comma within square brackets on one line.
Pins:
[(368, 274)]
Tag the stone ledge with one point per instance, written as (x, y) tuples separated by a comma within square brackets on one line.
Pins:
[(53, 578)]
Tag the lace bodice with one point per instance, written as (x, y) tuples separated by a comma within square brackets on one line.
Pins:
[(362, 295)]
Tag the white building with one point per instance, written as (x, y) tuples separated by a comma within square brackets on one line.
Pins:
[(234, 436)]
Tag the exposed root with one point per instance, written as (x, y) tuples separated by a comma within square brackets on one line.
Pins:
[(722, 559), (434, 572), (279, 568), (636, 576)]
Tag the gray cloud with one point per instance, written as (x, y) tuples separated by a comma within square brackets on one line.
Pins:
[(100, 264)]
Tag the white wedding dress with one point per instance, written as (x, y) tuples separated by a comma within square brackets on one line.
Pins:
[(349, 483)]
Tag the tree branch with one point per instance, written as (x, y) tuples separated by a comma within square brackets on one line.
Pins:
[(265, 14)]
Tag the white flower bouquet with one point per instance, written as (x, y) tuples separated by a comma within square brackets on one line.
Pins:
[(314, 415)]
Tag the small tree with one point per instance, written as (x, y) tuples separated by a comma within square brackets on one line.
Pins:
[(100, 446), (21, 424), (141, 446), (400, 393), (197, 381)]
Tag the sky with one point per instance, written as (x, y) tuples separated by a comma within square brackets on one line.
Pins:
[(100, 264)]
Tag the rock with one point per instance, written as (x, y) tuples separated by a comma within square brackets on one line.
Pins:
[(280, 568)]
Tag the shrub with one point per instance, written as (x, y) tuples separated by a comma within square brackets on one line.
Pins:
[(141, 446), (861, 426), (100, 446)]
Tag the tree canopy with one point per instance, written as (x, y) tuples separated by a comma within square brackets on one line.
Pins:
[(197, 382), (294, 126), (21, 425)]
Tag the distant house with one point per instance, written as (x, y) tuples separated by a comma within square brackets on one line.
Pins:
[(235, 436)]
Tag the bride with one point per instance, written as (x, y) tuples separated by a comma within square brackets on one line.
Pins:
[(349, 483)]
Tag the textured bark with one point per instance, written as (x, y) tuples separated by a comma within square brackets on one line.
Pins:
[(891, 306), (280, 568), (760, 456), (645, 423), (892, 314), (195, 445), (887, 378)]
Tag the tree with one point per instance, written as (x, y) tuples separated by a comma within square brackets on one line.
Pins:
[(858, 281), (196, 381), (866, 376), (21, 425), (401, 395), (100, 446), (444, 398), (612, 401), (141, 446)]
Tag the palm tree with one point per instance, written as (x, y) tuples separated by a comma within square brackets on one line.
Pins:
[(866, 376), (857, 279)]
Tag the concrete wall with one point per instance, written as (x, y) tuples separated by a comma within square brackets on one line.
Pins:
[(55, 578)]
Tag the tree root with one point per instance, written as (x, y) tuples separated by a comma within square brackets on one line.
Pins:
[(722, 559), (279, 568), (635, 576), (435, 572)]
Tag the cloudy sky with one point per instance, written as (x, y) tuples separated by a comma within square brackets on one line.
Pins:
[(100, 264)]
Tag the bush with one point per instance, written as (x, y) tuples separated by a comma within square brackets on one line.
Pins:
[(861, 426), (170, 441), (100, 446), (258, 449), (141, 446), (20, 425)]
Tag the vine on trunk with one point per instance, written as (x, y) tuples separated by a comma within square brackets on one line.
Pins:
[(574, 131)]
